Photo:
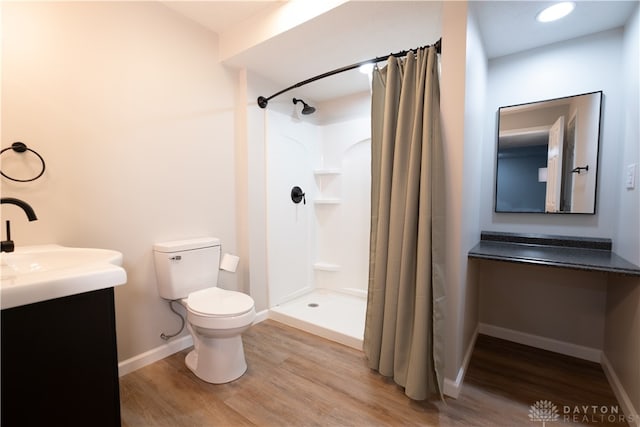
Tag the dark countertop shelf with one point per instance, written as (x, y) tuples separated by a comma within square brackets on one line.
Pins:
[(554, 251)]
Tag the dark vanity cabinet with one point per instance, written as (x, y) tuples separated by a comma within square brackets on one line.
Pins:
[(59, 362)]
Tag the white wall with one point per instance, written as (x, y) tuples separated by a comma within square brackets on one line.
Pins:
[(475, 99), (293, 145), (256, 187), (342, 230), (622, 346), (595, 311), (577, 66), (300, 236), (561, 304), (258, 126), (462, 105), (581, 65), (627, 233), (622, 327), (134, 115)]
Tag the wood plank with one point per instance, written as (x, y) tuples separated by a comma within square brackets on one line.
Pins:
[(298, 379)]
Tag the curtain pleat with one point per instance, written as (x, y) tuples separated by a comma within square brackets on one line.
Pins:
[(404, 322)]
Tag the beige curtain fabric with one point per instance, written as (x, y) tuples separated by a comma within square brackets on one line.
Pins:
[(404, 331)]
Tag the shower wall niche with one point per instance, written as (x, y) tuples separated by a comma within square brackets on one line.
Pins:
[(323, 244)]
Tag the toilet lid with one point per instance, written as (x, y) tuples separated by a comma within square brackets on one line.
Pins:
[(219, 302)]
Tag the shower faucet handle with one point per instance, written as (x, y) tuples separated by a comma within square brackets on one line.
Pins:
[(298, 195)]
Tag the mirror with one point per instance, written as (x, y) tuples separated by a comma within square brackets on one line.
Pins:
[(548, 155)]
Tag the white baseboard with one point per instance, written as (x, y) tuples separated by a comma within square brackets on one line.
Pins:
[(153, 355), (452, 388), (569, 349), (626, 405), (261, 316)]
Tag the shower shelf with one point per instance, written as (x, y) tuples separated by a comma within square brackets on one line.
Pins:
[(327, 171), (327, 201), (325, 266)]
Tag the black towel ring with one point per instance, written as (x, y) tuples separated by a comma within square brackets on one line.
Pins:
[(20, 147)]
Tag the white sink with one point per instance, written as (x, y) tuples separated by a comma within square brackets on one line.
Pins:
[(38, 273)]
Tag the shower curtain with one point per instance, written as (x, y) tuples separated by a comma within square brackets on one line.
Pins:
[(404, 329)]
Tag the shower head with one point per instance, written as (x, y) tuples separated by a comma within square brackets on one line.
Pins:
[(307, 109)]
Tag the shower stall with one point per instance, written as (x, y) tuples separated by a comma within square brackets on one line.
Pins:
[(318, 245)]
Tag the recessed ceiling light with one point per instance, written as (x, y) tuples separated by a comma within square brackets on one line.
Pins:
[(556, 11)]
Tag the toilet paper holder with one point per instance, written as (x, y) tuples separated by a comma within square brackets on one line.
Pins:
[(229, 263)]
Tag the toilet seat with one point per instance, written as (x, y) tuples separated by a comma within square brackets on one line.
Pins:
[(217, 302)]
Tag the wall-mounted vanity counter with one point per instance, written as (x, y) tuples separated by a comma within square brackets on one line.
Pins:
[(582, 253), (568, 295)]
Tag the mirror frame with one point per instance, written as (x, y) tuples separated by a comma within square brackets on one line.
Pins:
[(597, 141)]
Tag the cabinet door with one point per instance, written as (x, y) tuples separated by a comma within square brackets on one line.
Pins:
[(59, 362)]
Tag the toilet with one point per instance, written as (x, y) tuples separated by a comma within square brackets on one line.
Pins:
[(187, 270)]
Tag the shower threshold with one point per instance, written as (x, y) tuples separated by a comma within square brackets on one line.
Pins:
[(335, 315)]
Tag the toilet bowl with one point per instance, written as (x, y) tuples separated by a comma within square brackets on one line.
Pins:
[(216, 318), (187, 270)]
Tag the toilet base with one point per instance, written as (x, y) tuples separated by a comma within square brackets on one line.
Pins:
[(217, 360)]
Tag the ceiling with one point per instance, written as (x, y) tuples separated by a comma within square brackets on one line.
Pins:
[(220, 15), (360, 30), (509, 26)]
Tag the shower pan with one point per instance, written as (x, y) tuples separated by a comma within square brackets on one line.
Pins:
[(318, 208), (332, 314)]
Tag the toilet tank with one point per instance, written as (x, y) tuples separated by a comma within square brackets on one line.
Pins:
[(185, 266)]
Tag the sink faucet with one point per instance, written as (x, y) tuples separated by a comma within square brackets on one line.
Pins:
[(8, 245)]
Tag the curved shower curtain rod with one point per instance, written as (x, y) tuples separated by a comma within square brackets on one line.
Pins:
[(262, 101)]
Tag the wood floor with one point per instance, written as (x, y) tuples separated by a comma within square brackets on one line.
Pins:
[(298, 379)]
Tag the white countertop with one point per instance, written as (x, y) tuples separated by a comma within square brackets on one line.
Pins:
[(38, 273)]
